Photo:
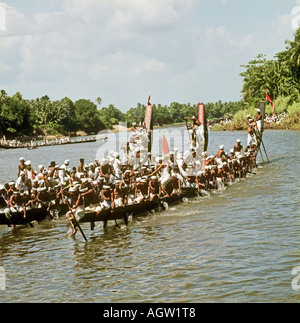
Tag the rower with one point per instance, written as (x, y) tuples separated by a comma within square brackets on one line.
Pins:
[(142, 123), (118, 194), (106, 170), (4, 208), (53, 174), (17, 203), (258, 120), (127, 177), (201, 181), (248, 119), (133, 127), (252, 156), (232, 154), (221, 153), (159, 167), (238, 149), (43, 197), (64, 172), (209, 177), (154, 188), (10, 190), (204, 160), (92, 172), (220, 177), (227, 170), (196, 122), (107, 203), (40, 173), (236, 168), (21, 182), (190, 176), (141, 191), (76, 207), (174, 185), (136, 158), (90, 195), (117, 166)]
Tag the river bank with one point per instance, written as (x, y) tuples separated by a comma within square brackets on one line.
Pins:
[(288, 123)]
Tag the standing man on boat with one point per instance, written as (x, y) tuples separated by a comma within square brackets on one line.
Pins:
[(117, 166), (258, 120), (80, 167), (64, 172), (21, 166), (251, 140)]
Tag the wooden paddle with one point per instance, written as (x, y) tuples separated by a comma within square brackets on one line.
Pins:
[(79, 227)]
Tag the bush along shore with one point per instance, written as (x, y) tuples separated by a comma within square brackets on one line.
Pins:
[(286, 116)]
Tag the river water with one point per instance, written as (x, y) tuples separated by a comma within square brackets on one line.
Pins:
[(238, 245)]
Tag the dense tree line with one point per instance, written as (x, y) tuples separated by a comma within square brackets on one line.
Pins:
[(279, 77), (41, 116)]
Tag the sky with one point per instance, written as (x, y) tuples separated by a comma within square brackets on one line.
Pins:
[(120, 50)]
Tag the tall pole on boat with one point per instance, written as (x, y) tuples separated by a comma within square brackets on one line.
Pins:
[(203, 120), (149, 123), (262, 108)]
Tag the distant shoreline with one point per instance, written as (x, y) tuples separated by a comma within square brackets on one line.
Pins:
[(285, 125)]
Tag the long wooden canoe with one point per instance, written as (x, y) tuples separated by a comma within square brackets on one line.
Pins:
[(40, 214)]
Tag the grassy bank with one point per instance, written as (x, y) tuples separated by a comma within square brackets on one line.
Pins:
[(290, 122)]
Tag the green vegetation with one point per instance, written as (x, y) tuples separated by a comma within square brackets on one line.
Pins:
[(280, 78), (42, 116)]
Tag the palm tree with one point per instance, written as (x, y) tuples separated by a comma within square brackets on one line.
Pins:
[(293, 48)]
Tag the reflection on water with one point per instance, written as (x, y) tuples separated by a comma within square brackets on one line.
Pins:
[(239, 245)]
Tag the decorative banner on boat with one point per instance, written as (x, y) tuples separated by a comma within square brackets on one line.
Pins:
[(148, 115), (201, 112), (149, 123), (203, 126), (165, 145)]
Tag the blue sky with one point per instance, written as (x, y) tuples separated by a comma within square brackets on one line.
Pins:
[(180, 50)]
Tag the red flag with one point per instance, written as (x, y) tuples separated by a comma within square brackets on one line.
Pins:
[(165, 145), (269, 99)]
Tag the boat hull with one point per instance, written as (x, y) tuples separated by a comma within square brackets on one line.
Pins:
[(106, 215)]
